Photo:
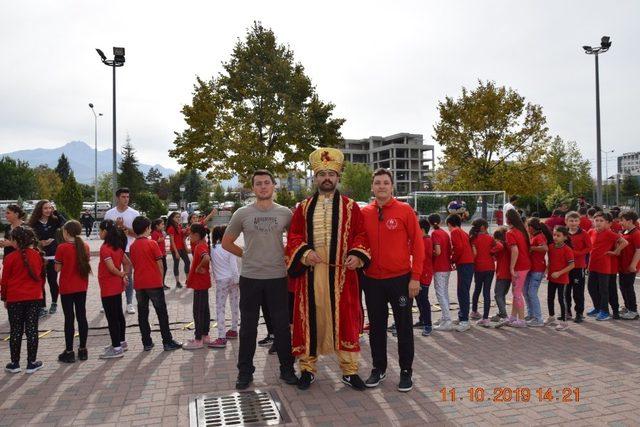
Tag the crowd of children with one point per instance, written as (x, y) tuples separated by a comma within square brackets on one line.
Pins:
[(24, 273), (604, 247), (601, 248)]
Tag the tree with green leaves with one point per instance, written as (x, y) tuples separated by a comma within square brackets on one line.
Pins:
[(69, 200), (63, 168), (151, 205), (630, 186), (18, 180), (285, 197), (557, 198), (130, 175), (491, 139), (261, 112), (105, 189), (218, 193), (356, 181), (48, 181), (153, 177), (565, 166)]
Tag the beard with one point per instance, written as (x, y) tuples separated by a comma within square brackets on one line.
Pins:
[(327, 186)]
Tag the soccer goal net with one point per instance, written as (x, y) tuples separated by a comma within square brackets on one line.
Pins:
[(469, 205)]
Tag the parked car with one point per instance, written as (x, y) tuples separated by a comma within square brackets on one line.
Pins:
[(173, 206)]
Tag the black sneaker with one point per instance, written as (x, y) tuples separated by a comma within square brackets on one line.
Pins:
[(305, 380), (53, 308), (354, 381), (418, 325), (12, 367), (43, 312), (67, 357), (33, 366), (578, 319), (289, 376), (172, 345), (616, 315), (165, 287), (376, 377), (83, 354), (392, 327), (266, 342), (148, 347), (406, 384), (243, 381), (272, 349), (178, 285)]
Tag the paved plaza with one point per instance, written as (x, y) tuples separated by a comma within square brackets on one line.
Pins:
[(601, 359)]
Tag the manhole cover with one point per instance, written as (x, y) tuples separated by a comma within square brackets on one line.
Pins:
[(237, 409)]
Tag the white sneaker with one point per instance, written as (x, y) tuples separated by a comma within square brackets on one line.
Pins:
[(437, 322), (629, 315), (445, 325), (561, 326), (551, 320), (130, 309), (463, 326)]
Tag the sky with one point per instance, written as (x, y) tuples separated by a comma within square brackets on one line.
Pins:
[(385, 65)]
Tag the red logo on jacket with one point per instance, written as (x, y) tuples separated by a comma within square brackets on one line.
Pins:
[(392, 223)]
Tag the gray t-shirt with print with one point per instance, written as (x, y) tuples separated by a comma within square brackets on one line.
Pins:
[(263, 255)]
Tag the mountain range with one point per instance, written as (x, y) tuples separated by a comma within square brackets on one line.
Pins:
[(81, 158)]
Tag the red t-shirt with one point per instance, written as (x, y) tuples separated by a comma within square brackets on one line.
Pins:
[(516, 238), (71, 281), (585, 223), (581, 242), (503, 261), (461, 252), (537, 258), (427, 265), (110, 284), (17, 284), (559, 258), (616, 227), (195, 280), (178, 236), (626, 256), (602, 242), (441, 262), (145, 254), (484, 260), (158, 237)]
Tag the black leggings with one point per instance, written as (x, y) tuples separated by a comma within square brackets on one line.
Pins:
[(164, 268), (483, 281), (74, 306), (562, 299), (201, 314), (182, 253), (23, 317), (115, 318), (52, 278)]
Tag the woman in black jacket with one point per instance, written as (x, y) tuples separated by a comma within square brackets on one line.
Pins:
[(47, 223)]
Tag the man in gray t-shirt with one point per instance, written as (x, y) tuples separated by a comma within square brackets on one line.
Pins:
[(263, 279)]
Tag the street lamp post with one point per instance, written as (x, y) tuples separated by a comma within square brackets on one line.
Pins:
[(95, 171), (117, 61), (605, 44), (606, 172), (182, 190)]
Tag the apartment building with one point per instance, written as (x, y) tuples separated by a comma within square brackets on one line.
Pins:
[(405, 154), (629, 164)]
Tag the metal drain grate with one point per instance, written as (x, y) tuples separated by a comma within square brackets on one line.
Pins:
[(243, 408)]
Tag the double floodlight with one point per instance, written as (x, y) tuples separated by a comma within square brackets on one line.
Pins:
[(605, 44), (118, 57)]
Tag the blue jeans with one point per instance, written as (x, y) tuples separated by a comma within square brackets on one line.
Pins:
[(531, 285), (465, 276), (424, 306)]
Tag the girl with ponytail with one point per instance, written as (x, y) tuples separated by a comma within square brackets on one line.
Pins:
[(113, 270), (21, 290), (484, 249), (441, 270), (199, 279), (540, 239), (72, 261), (518, 243)]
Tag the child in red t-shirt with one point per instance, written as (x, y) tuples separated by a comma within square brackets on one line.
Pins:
[(629, 264), (539, 241), (199, 280), (503, 274), (422, 299), (441, 271), (113, 271), (462, 258), (21, 290), (146, 259), (483, 247), (157, 234), (72, 262), (518, 242), (177, 245), (606, 244), (581, 243), (560, 264)]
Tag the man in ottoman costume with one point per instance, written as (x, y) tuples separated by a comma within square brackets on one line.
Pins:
[(326, 243)]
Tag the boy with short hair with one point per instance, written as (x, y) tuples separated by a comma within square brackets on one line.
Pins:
[(585, 222), (146, 258), (581, 243), (629, 263)]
